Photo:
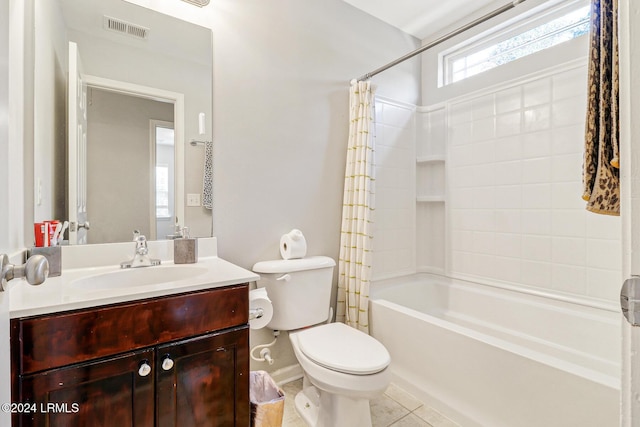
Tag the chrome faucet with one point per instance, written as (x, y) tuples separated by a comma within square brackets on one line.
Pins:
[(141, 256)]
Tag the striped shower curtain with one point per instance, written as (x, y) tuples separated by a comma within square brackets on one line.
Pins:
[(354, 265)]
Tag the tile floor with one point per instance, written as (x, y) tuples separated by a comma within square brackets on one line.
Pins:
[(395, 408)]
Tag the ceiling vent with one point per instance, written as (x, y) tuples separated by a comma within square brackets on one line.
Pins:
[(124, 27), (199, 3)]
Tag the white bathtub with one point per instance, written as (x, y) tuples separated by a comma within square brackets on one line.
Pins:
[(491, 357)]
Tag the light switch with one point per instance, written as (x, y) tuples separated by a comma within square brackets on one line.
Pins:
[(193, 199)]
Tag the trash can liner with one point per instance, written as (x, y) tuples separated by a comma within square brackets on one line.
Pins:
[(267, 400)]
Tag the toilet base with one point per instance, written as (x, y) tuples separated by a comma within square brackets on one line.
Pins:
[(321, 409)]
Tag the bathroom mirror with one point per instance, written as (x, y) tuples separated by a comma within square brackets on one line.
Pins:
[(138, 90)]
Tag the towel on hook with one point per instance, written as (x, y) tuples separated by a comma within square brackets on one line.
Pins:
[(207, 186)]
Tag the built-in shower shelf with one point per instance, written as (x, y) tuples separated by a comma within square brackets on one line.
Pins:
[(430, 159), (429, 199)]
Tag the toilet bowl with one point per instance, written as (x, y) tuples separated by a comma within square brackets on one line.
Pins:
[(343, 367)]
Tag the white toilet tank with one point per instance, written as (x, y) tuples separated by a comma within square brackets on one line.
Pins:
[(299, 289)]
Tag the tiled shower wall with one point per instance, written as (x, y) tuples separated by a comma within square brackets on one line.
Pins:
[(510, 209), (515, 211), (394, 215)]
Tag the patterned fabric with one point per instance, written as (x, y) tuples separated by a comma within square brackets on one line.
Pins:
[(207, 185), (354, 265), (601, 177)]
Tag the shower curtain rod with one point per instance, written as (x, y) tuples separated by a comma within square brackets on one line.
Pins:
[(421, 49)]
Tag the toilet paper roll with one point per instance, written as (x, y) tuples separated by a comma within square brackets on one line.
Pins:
[(258, 299), (293, 245)]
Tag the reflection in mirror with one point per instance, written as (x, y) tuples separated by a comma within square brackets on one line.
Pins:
[(138, 169), (162, 189), (121, 139)]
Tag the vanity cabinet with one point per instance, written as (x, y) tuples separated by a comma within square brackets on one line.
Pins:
[(179, 360)]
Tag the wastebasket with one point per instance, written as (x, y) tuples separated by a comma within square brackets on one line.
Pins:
[(267, 400)]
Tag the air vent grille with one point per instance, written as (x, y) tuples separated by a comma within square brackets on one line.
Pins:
[(124, 27), (199, 3)]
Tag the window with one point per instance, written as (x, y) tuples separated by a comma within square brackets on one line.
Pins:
[(526, 36)]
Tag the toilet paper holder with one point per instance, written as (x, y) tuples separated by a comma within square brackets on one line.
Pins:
[(255, 313)]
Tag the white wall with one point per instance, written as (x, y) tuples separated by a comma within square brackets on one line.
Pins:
[(281, 77), (281, 117), (50, 111)]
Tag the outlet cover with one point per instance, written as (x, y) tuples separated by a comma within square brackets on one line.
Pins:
[(193, 199)]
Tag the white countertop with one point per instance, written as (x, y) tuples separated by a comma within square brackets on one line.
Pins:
[(65, 293)]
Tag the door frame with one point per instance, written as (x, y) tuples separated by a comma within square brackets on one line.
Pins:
[(629, 32), (17, 69), (155, 94)]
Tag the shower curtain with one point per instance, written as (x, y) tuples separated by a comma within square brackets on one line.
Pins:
[(601, 177), (354, 265)]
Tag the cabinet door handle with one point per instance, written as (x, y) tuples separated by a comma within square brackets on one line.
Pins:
[(144, 370), (167, 363)]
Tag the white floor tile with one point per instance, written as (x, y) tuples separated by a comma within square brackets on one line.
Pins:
[(411, 420), (395, 408), (402, 397), (385, 411), (433, 417)]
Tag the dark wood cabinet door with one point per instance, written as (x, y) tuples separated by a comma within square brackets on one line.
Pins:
[(103, 393), (204, 381)]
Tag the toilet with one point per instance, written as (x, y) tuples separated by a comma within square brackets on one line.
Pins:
[(343, 368)]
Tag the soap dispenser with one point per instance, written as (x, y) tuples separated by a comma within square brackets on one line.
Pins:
[(185, 248)]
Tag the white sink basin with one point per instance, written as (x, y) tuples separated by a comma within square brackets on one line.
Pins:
[(136, 277)]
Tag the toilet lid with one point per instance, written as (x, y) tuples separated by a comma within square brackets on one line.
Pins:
[(342, 348)]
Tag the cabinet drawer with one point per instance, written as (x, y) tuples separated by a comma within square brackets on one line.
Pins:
[(60, 339)]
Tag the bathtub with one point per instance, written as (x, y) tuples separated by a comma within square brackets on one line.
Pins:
[(494, 357)]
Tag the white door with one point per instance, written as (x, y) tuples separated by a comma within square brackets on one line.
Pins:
[(77, 149), (629, 15), (5, 365)]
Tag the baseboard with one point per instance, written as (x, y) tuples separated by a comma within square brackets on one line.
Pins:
[(287, 374)]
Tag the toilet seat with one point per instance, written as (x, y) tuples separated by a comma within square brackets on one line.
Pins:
[(342, 348)]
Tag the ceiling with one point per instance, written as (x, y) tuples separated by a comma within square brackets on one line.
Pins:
[(420, 18)]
